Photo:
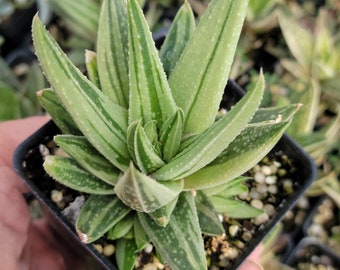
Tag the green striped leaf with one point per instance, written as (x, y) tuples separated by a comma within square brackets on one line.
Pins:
[(126, 254), (101, 121), (142, 150), (180, 243), (234, 208), (69, 173), (240, 156), (208, 219), (143, 193), (81, 15), (214, 140), (121, 228), (225, 187), (199, 78), (171, 135), (98, 215), (175, 41), (112, 51), (150, 96), (79, 148), (50, 102), (92, 67)]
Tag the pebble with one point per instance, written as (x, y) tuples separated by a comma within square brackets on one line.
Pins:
[(98, 247), (262, 188), (259, 177), (269, 208), (257, 204), (148, 248), (266, 170), (108, 250), (260, 219), (56, 196), (233, 230), (288, 185), (270, 180), (272, 189), (247, 236)]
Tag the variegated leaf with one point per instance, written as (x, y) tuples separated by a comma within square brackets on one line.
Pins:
[(143, 193), (101, 121), (214, 140), (126, 254), (179, 33), (50, 102), (225, 187), (88, 157), (242, 154), (142, 150), (198, 80), (150, 95), (234, 208), (171, 135), (180, 243), (162, 215), (112, 51), (98, 215), (208, 219), (92, 67), (67, 172)]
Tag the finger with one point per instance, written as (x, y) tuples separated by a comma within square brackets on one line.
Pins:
[(252, 262), (12, 133)]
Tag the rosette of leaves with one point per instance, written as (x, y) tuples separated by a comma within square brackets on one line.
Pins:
[(142, 131)]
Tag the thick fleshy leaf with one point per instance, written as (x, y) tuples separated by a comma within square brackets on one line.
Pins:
[(126, 254), (88, 157), (150, 96), (81, 15), (98, 215), (198, 80), (67, 172), (234, 208), (112, 51), (179, 33), (209, 221), (214, 140), (143, 193), (171, 135), (225, 187), (299, 40), (120, 229), (242, 154), (162, 215), (92, 67), (141, 238), (142, 150), (101, 121), (180, 243), (50, 102)]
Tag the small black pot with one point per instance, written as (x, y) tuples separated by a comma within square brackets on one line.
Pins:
[(33, 174)]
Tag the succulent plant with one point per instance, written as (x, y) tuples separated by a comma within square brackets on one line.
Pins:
[(142, 133)]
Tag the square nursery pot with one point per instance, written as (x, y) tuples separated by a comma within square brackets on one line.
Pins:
[(28, 164)]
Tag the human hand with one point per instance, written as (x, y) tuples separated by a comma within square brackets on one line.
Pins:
[(24, 244), (253, 261)]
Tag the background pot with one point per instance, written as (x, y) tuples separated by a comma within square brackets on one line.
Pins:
[(33, 174)]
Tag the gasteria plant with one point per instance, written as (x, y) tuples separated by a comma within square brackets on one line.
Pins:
[(142, 133)]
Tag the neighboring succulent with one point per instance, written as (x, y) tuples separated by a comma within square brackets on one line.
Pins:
[(143, 136)]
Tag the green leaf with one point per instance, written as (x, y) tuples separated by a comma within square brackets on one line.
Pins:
[(7, 77), (112, 51), (225, 187), (81, 15), (141, 238), (299, 40), (214, 140), (242, 154), (180, 243), (9, 103), (50, 102), (106, 124), (234, 208), (208, 219), (171, 135), (120, 229), (142, 150), (150, 96), (125, 254), (98, 215), (162, 215), (143, 193), (175, 41), (69, 173), (199, 78), (92, 67), (79, 148)]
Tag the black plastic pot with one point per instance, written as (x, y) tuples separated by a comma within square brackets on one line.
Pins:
[(34, 176)]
